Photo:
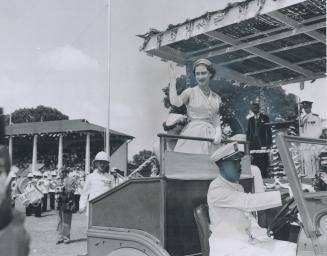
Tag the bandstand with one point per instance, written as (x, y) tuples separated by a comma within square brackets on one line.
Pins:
[(59, 135)]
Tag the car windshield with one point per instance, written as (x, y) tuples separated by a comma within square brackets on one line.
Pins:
[(310, 164)]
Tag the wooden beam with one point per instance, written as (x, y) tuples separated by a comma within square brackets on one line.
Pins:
[(266, 32), (279, 67), (262, 54), (237, 76), (296, 80), (214, 21), (273, 51), (167, 53), (242, 46), (293, 23)]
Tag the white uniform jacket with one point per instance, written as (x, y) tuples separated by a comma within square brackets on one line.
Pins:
[(44, 185), (96, 184), (233, 227), (310, 126)]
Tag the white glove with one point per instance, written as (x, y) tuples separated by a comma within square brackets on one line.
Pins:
[(217, 137), (81, 210)]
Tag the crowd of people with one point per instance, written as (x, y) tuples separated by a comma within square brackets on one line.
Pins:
[(49, 161)]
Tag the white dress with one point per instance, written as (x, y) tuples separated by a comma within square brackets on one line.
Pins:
[(202, 112)]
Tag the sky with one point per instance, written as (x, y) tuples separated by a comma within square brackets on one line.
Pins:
[(55, 53)]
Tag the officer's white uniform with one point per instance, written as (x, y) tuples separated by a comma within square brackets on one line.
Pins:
[(234, 229), (311, 127), (96, 184)]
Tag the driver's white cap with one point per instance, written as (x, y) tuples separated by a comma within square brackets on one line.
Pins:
[(227, 151)]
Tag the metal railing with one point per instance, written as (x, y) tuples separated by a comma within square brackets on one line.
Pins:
[(140, 168)]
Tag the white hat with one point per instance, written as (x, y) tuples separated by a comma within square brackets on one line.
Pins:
[(101, 156), (227, 151), (239, 137), (30, 175), (174, 118), (37, 174)]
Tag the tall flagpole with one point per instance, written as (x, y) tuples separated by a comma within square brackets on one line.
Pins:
[(108, 113)]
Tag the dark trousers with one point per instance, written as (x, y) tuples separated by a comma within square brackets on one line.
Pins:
[(76, 199), (262, 161), (52, 200), (44, 202), (33, 208), (37, 210), (29, 210), (64, 225)]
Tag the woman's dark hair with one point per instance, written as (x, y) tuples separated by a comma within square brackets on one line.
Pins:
[(210, 68), (169, 127)]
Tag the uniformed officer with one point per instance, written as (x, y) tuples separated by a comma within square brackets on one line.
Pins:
[(52, 189), (234, 229), (310, 126), (98, 182), (29, 207)]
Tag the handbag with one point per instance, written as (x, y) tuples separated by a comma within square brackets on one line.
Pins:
[(68, 202)]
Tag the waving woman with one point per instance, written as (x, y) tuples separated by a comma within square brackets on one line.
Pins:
[(202, 109)]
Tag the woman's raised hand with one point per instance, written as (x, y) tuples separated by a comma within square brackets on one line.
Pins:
[(172, 70), (218, 136)]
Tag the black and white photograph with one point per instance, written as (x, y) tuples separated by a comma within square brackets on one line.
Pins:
[(163, 128)]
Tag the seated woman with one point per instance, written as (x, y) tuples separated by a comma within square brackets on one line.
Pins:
[(202, 109), (173, 126)]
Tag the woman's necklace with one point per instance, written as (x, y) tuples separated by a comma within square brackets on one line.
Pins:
[(206, 91)]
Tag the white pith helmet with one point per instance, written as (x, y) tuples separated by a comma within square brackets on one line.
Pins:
[(101, 156)]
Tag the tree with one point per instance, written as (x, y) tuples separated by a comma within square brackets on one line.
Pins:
[(236, 101), (139, 159), (38, 114)]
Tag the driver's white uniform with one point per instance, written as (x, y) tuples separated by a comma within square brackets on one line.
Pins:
[(234, 229)]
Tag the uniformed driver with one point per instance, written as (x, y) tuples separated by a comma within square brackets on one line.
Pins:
[(234, 229)]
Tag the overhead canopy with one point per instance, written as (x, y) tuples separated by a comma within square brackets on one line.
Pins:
[(57, 127), (260, 43)]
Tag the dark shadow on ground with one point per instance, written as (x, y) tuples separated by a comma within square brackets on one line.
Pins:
[(77, 240)]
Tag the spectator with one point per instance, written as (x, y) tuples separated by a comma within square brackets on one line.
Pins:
[(66, 207), (260, 137)]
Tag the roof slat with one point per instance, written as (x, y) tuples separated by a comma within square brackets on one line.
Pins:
[(216, 20), (260, 43), (243, 46), (278, 67), (293, 23), (263, 54), (60, 126)]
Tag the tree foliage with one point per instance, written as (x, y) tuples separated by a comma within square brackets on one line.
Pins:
[(38, 114), (139, 159), (237, 99)]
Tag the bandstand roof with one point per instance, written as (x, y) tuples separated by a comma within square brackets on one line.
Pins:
[(259, 43), (57, 127)]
